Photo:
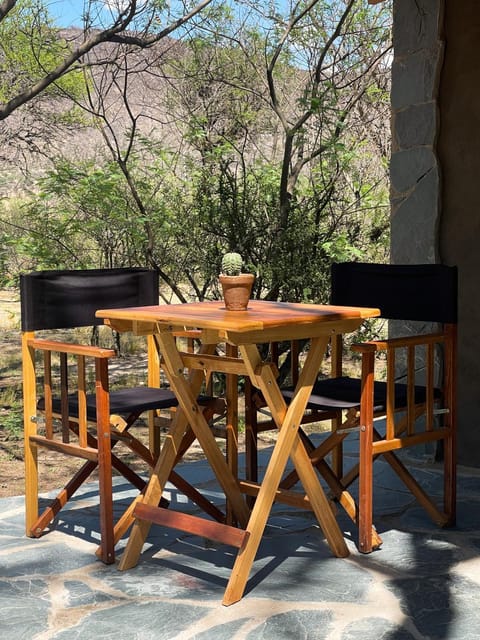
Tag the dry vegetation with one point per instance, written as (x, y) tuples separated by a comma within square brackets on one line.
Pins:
[(11, 446)]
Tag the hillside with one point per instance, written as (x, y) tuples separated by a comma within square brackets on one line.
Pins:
[(42, 130)]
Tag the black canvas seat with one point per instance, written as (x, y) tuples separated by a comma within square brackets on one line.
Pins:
[(124, 402), (344, 393)]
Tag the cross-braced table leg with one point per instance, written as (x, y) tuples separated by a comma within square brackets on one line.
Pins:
[(288, 444)]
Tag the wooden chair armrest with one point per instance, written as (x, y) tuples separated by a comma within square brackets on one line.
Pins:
[(71, 348), (394, 343)]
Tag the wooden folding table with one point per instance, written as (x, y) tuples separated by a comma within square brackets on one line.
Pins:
[(262, 322)]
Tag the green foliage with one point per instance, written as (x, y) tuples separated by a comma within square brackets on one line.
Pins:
[(292, 179), (11, 418), (84, 215), (30, 48)]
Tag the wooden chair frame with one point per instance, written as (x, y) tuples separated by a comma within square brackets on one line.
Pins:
[(98, 456), (88, 429)]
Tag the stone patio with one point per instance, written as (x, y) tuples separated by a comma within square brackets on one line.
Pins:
[(423, 583)]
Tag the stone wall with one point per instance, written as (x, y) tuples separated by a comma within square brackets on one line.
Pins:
[(415, 172)]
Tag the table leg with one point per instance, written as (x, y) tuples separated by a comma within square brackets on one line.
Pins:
[(288, 443), (231, 425), (173, 366), (189, 413)]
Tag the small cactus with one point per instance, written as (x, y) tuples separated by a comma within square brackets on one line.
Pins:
[(232, 264)]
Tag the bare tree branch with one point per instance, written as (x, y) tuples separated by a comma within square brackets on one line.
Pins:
[(115, 33)]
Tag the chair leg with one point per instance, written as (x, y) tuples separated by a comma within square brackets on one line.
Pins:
[(107, 537), (251, 434), (31, 487), (365, 498), (30, 429), (104, 462)]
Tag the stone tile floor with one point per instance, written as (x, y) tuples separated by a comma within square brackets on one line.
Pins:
[(423, 583)]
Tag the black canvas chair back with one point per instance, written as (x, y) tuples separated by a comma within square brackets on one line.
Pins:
[(426, 292), (69, 299)]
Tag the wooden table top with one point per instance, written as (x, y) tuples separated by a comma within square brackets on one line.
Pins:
[(270, 320)]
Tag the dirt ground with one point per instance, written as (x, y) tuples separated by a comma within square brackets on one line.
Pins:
[(11, 446)]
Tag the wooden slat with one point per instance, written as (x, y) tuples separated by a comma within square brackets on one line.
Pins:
[(294, 332), (67, 347), (222, 364), (294, 355), (47, 391), (64, 397), (284, 496), (82, 402), (336, 371), (390, 416), (411, 390), (231, 424), (153, 380), (65, 447), (336, 345), (430, 381), (216, 531), (396, 343), (408, 441)]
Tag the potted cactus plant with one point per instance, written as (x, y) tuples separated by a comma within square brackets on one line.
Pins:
[(237, 286)]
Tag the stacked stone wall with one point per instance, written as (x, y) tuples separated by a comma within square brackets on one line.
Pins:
[(415, 172)]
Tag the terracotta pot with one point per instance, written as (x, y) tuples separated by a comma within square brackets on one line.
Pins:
[(237, 291)]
